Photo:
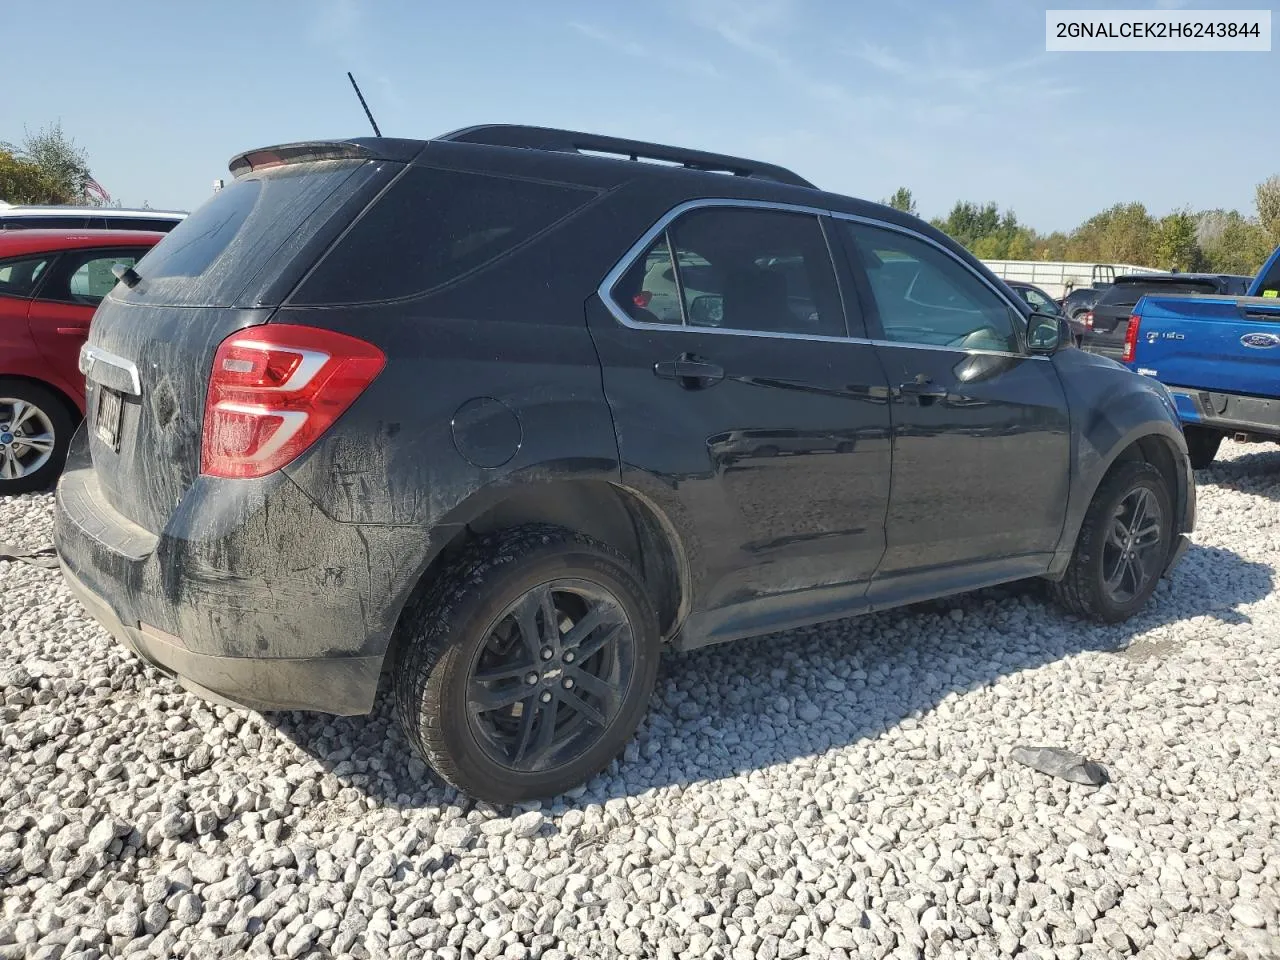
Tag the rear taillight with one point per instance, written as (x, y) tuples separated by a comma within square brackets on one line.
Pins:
[(274, 390), (1131, 339), (1087, 319)]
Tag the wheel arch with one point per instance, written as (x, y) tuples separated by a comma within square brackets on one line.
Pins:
[(58, 390), (1159, 443), (602, 509)]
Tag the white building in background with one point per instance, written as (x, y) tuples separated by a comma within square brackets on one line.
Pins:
[(1058, 278)]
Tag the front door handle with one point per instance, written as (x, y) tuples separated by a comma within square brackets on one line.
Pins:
[(923, 389), (690, 371)]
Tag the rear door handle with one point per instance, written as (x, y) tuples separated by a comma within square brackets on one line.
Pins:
[(690, 370), (73, 331)]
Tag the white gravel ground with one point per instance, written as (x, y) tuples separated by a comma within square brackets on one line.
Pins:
[(839, 791)]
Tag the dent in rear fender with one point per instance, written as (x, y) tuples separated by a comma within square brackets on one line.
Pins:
[(259, 570)]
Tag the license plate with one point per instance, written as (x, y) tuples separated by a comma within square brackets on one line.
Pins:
[(107, 422)]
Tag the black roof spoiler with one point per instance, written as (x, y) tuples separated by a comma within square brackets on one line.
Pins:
[(357, 148), (572, 141)]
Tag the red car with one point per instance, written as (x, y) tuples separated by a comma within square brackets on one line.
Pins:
[(51, 281)]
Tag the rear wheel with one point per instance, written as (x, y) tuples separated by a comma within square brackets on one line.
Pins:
[(525, 669), (1202, 445), (35, 431), (1123, 546)]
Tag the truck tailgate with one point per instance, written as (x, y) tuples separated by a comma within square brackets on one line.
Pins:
[(1228, 344)]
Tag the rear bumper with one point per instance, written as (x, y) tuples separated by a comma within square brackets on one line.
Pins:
[(1229, 412), (343, 685), (250, 595)]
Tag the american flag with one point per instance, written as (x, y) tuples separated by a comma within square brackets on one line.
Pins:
[(97, 191)]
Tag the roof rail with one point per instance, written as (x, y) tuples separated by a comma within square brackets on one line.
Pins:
[(571, 141)]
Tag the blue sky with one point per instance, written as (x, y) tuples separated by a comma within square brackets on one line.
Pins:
[(957, 100)]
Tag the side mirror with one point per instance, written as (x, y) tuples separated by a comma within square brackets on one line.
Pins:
[(706, 311), (1046, 333)]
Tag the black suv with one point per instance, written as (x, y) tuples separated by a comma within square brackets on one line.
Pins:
[(405, 405)]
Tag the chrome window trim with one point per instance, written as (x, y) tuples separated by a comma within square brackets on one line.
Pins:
[(637, 249)]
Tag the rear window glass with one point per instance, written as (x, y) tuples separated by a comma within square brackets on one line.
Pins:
[(432, 227), (251, 226), (1127, 294)]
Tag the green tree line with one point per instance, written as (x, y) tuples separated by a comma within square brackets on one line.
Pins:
[(47, 167), (1217, 241)]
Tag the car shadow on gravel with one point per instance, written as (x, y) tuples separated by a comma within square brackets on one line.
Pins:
[(748, 705), (1255, 473)]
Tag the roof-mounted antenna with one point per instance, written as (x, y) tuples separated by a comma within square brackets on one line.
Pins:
[(373, 123)]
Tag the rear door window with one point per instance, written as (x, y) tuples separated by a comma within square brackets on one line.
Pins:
[(433, 227), (18, 278), (246, 233), (84, 277), (94, 278), (743, 269)]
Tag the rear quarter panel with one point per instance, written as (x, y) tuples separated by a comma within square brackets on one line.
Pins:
[(463, 404)]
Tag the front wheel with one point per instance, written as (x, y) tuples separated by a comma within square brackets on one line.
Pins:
[(35, 431), (1123, 546), (525, 669), (1202, 445)]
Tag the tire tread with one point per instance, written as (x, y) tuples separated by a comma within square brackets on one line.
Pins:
[(429, 619), (1079, 591)]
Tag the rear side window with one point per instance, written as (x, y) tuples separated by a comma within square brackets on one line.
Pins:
[(432, 227), (19, 277), (246, 231)]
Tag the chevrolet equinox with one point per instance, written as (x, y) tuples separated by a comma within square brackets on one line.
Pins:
[(504, 412)]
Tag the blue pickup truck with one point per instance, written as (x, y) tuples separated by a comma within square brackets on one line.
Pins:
[(1219, 357)]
